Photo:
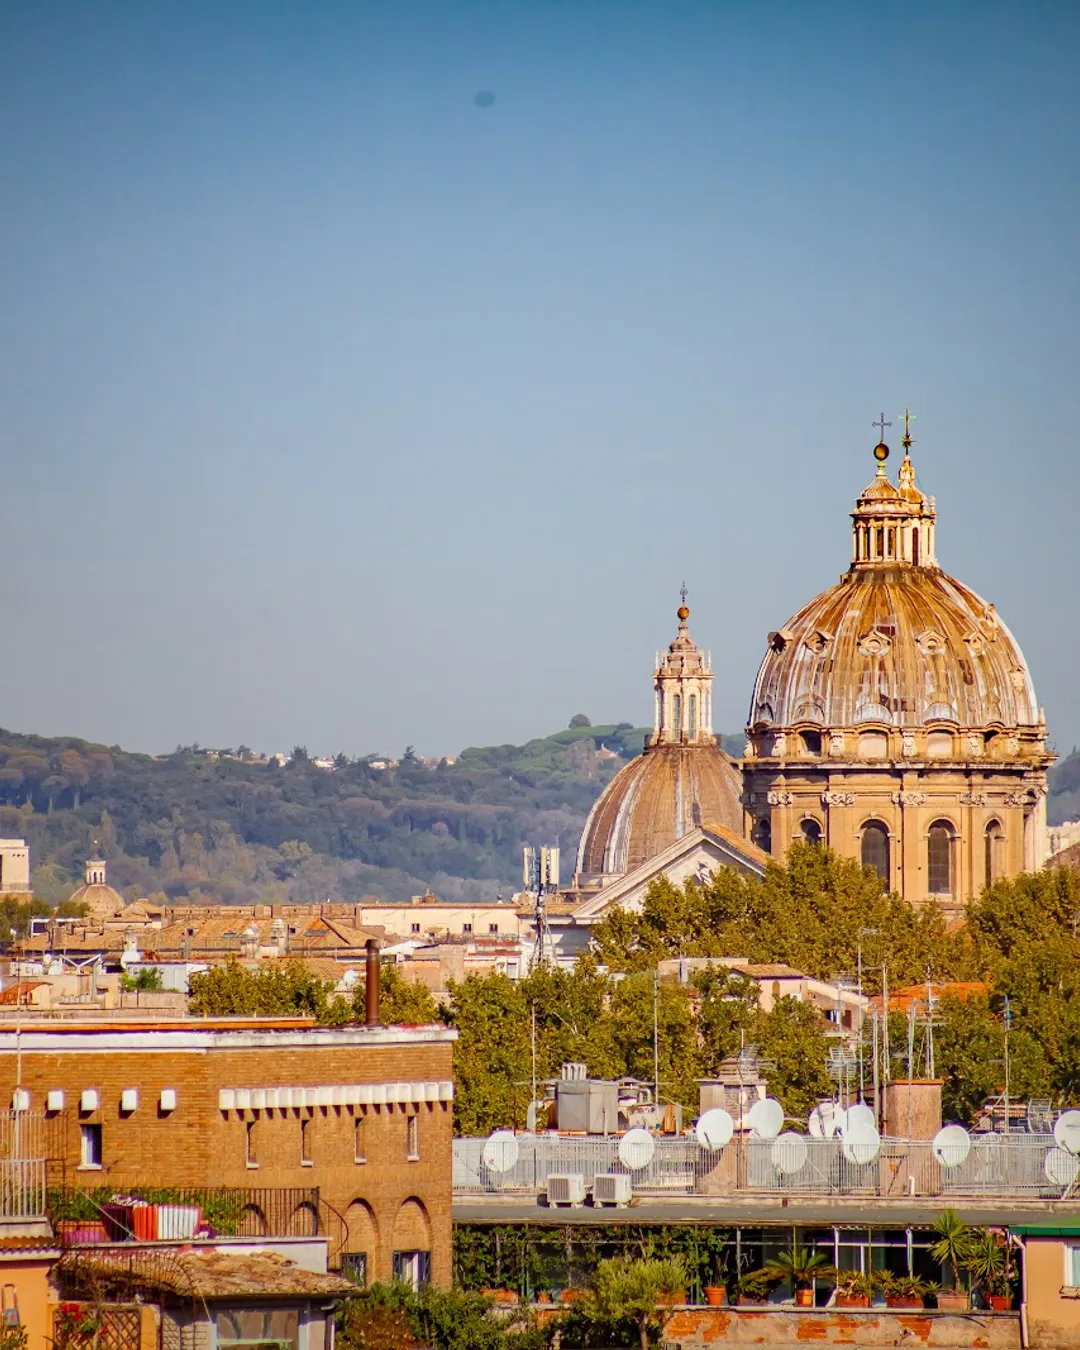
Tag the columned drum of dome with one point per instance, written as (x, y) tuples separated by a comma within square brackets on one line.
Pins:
[(680, 781), (897, 712)]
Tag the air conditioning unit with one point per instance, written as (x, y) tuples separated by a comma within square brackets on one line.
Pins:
[(611, 1188), (566, 1190)]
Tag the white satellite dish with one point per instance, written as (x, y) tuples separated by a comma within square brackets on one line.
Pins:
[(859, 1114), (636, 1149), (500, 1151), (1061, 1166), (1067, 1131), (714, 1129), (766, 1118), (789, 1153), (822, 1121), (951, 1145), (861, 1143)]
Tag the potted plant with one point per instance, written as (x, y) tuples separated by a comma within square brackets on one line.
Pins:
[(952, 1248), (800, 1267), (903, 1291), (988, 1262), (853, 1289), (752, 1289)]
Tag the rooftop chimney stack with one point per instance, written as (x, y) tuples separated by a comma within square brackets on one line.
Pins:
[(372, 990)]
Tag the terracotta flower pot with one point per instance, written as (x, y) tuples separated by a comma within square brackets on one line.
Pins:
[(714, 1295), (902, 1301), (948, 1301), (746, 1301), (999, 1302), (804, 1297), (853, 1300)]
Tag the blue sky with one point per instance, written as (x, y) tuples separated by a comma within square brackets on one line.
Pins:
[(336, 409)]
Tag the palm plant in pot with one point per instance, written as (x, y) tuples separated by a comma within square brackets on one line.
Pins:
[(904, 1291), (988, 1261), (853, 1289), (753, 1288), (952, 1248), (800, 1266)]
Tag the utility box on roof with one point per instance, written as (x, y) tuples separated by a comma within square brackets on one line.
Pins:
[(588, 1105)]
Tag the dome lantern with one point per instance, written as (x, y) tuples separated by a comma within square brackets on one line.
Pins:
[(682, 684)]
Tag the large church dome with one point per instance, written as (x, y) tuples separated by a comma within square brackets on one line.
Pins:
[(897, 641), (681, 780)]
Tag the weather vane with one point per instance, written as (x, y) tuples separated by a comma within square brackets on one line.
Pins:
[(908, 439)]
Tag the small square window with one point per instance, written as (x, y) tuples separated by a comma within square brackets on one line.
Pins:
[(493, 927), (466, 927), (412, 1138), (412, 1268), (415, 927), (1072, 1265), (360, 1139), (90, 1155)]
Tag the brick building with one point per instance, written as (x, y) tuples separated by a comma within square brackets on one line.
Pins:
[(362, 1113)]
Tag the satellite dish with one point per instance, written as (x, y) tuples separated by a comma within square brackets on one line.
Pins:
[(500, 1151), (822, 1121), (861, 1143), (789, 1153), (636, 1149), (1061, 1166), (714, 1129), (860, 1114), (766, 1118), (1067, 1131), (951, 1145)]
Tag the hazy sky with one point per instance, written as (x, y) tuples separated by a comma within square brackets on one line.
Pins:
[(338, 409)]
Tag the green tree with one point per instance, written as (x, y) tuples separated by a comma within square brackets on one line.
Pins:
[(283, 989), (633, 1291), (402, 1002), (492, 1054), (969, 1047), (793, 1036), (579, 720), (146, 981)]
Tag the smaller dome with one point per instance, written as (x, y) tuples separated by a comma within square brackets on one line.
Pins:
[(101, 901)]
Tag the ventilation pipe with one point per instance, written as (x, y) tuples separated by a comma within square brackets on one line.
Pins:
[(372, 990)]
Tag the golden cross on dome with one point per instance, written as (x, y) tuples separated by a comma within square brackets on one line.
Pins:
[(683, 593), (908, 439), (882, 424)]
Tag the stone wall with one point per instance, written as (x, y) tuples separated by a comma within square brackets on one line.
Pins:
[(698, 1328)]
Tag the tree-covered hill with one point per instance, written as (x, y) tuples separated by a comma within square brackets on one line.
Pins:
[(231, 827)]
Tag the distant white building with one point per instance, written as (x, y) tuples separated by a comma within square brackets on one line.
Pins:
[(14, 867)]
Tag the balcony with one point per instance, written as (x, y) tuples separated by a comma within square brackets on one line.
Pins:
[(176, 1214), (22, 1188)]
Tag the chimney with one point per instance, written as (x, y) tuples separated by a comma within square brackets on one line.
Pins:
[(372, 989)]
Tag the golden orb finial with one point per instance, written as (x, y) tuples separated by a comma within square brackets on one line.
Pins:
[(881, 452)]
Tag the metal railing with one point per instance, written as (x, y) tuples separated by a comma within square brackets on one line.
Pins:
[(22, 1188), (160, 1214), (999, 1165)]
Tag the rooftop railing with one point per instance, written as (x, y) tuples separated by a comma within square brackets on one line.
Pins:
[(163, 1214), (22, 1188), (999, 1165)]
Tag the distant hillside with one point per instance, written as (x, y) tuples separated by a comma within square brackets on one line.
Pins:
[(228, 827), (1063, 803)]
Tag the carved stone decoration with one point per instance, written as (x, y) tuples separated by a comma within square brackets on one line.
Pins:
[(1018, 680), (930, 643), (907, 745), (838, 799), (1023, 798), (836, 743), (875, 643), (973, 799), (976, 644), (779, 746), (749, 750), (975, 744), (1012, 745), (817, 641), (781, 798), (909, 798)]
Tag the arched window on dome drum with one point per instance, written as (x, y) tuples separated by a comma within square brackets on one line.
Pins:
[(874, 849), (691, 715), (811, 831), (676, 715), (939, 858), (915, 545), (994, 841), (880, 541), (762, 835)]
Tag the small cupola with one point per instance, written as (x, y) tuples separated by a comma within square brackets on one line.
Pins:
[(682, 683), (893, 524)]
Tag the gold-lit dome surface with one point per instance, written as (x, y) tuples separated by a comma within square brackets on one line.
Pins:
[(901, 645), (662, 795)]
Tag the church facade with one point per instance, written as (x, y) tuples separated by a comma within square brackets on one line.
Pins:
[(893, 719)]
